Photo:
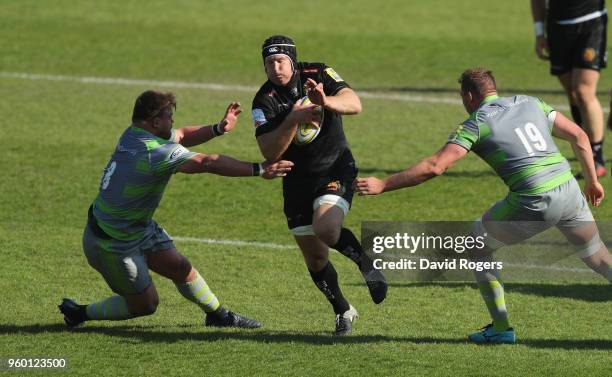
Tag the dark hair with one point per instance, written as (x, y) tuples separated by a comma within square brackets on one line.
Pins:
[(477, 80), (279, 44), (150, 103)]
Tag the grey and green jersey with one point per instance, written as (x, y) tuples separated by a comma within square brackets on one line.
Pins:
[(513, 136), (134, 181)]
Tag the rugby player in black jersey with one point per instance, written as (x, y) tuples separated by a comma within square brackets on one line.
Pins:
[(319, 190), (572, 35)]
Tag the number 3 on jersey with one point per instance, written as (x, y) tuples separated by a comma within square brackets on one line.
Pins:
[(107, 175), (536, 140)]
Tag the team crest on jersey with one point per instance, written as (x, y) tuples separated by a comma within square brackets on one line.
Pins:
[(258, 117), (589, 55), (333, 74), (333, 186)]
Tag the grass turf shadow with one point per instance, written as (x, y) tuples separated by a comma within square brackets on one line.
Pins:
[(153, 334), (199, 333)]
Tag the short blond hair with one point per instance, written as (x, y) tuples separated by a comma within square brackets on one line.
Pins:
[(478, 81)]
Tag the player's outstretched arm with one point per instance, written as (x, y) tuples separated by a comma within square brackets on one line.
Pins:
[(230, 167), (345, 101), (195, 135), (565, 129), (416, 174), (274, 143)]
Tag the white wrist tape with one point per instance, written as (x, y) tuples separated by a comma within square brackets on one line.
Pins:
[(538, 27)]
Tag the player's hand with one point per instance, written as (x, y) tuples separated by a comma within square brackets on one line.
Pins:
[(230, 118), (594, 193), (369, 186), (305, 113), (276, 169), (315, 92), (541, 47)]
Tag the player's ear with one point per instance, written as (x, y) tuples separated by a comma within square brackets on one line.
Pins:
[(469, 96)]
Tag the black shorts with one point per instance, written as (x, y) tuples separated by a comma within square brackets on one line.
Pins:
[(300, 193), (581, 45)]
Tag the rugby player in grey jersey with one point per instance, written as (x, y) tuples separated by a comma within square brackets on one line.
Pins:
[(122, 241), (514, 136)]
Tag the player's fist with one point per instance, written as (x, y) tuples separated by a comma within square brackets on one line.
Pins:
[(303, 112), (369, 186), (594, 193), (541, 47), (276, 169)]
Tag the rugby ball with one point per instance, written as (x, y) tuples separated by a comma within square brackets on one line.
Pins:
[(307, 132)]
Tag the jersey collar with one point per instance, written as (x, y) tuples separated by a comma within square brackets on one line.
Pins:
[(292, 89), (487, 99), (490, 98), (137, 129)]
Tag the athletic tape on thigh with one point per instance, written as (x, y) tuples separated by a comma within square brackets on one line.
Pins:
[(304, 230), (489, 240), (334, 200), (589, 248)]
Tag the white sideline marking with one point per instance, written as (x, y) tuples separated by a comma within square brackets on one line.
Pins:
[(286, 247), (234, 243), (207, 86), (224, 87), (129, 82)]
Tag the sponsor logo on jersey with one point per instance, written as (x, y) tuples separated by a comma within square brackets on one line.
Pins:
[(333, 74), (258, 117), (310, 70), (121, 148), (589, 54), (177, 152), (517, 102)]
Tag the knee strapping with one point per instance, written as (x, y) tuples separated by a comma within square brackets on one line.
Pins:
[(589, 248), (490, 242)]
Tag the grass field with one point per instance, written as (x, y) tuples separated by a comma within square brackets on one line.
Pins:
[(58, 135)]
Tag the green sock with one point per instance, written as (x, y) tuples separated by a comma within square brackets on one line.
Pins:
[(113, 308), (492, 292), (197, 291)]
